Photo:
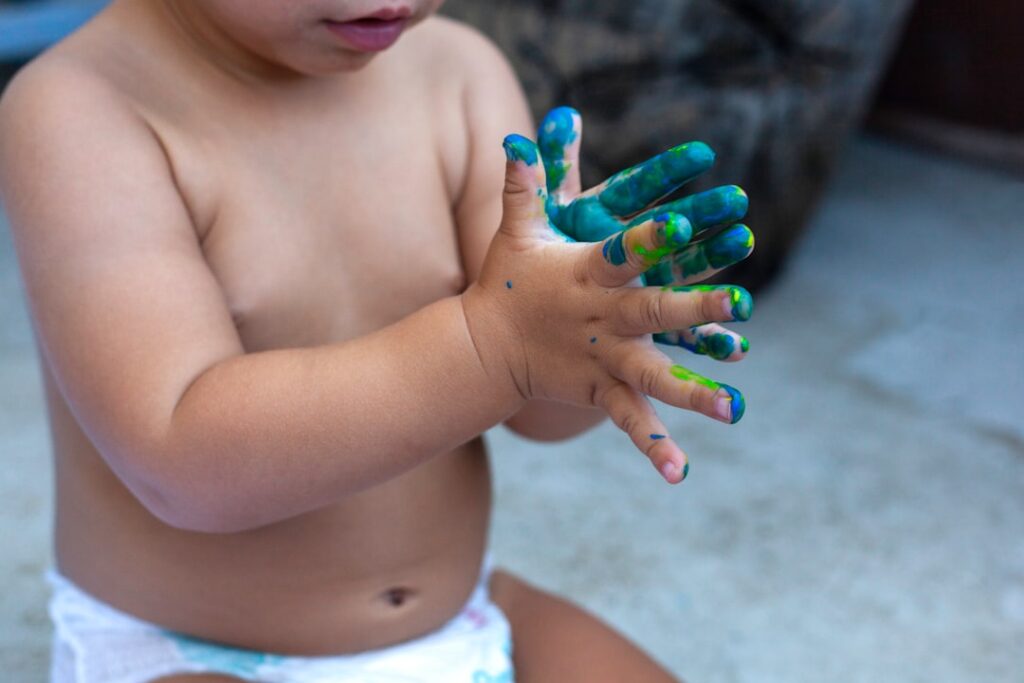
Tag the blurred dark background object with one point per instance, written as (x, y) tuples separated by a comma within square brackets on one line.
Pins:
[(774, 86), (955, 81)]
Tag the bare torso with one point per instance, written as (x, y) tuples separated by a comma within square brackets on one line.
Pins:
[(324, 215)]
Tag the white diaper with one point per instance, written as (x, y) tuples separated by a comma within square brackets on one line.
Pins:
[(95, 643)]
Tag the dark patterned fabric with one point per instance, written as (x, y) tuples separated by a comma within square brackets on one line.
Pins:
[(774, 86)]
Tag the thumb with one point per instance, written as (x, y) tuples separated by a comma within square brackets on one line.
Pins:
[(525, 196)]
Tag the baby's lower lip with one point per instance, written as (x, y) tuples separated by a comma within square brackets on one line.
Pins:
[(368, 35)]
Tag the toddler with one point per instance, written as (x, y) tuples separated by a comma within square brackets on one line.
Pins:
[(282, 276)]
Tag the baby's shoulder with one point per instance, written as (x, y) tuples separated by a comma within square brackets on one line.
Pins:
[(60, 92), (452, 50)]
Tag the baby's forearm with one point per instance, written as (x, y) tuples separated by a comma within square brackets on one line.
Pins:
[(261, 437)]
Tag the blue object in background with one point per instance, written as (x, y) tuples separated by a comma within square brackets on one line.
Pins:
[(29, 26)]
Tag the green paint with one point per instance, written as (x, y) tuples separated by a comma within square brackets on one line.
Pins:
[(686, 470), (738, 406), (687, 375), (718, 345)]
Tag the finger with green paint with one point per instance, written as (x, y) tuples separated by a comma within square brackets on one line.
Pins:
[(627, 198), (601, 212), (569, 322)]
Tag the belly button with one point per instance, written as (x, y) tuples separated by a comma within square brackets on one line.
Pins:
[(396, 597)]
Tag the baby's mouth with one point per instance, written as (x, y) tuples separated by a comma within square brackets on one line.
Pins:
[(370, 34)]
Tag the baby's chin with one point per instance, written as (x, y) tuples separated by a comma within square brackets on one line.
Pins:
[(323, 58)]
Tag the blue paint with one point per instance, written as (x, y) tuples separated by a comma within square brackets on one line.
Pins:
[(706, 210), (686, 470), (585, 220), (593, 340), (508, 283), (657, 437), (738, 405), (614, 251), (730, 246), (519, 148), (634, 189), (557, 132)]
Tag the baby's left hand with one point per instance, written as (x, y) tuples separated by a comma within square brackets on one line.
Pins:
[(628, 198)]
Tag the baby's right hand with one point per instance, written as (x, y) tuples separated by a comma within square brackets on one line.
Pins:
[(569, 321)]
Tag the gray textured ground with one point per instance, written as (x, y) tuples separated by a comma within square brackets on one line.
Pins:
[(865, 522)]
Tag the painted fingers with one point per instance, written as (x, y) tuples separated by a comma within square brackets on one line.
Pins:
[(646, 372), (711, 340), (703, 259), (626, 255), (559, 139), (633, 413), (633, 190)]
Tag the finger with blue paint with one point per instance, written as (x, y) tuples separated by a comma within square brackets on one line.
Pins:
[(602, 211), (711, 340), (568, 322), (701, 260)]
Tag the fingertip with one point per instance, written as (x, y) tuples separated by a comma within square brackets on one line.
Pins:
[(741, 303), (678, 229), (520, 148), (740, 199), (675, 467), (737, 405), (701, 153)]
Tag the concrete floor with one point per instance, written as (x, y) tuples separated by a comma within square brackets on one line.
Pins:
[(865, 521)]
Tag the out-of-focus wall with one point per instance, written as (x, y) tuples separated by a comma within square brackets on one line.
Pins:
[(962, 61), (775, 86)]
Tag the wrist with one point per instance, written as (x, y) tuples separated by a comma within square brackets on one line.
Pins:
[(497, 345)]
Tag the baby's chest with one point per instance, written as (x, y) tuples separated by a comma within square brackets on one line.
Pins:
[(331, 261)]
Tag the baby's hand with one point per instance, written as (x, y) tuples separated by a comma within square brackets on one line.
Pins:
[(626, 199), (566, 321)]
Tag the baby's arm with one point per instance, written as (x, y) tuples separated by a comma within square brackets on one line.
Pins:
[(494, 106), (134, 326)]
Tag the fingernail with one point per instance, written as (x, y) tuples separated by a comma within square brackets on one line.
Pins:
[(667, 470), (519, 148), (738, 303), (731, 407), (723, 407)]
